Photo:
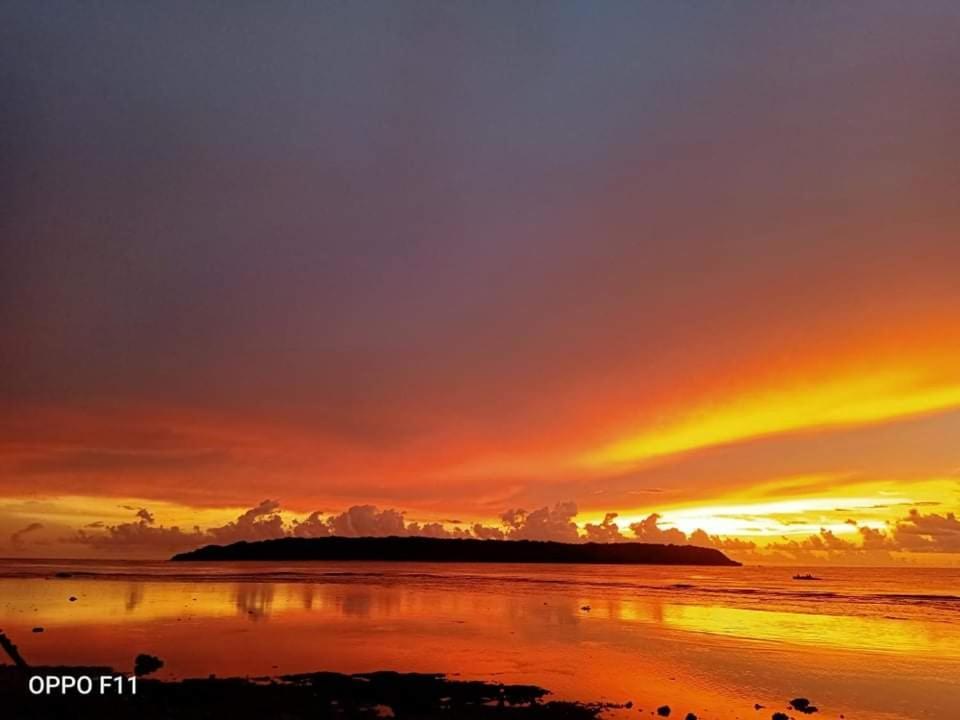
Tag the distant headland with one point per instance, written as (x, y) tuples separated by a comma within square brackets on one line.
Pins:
[(423, 549)]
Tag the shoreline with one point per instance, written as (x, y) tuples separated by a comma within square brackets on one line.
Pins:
[(93, 692), (319, 694)]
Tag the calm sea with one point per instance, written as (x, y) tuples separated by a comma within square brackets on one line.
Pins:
[(878, 643)]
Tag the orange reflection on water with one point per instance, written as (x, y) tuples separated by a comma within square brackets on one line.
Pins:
[(588, 642), (328, 604)]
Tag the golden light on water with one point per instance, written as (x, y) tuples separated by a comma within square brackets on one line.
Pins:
[(121, 609)]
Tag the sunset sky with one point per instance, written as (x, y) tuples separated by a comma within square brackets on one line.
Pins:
[(459, 260)]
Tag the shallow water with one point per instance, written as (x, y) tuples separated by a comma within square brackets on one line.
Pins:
[(863, 642)]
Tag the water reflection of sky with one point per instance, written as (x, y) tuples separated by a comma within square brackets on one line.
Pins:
[(142, 602)]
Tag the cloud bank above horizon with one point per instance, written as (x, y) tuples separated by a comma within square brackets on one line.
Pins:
[(914, 533)]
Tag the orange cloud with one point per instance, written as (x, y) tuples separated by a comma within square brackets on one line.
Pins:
[(865, 398)]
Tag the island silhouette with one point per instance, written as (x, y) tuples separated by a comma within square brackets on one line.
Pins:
[(423, 549)]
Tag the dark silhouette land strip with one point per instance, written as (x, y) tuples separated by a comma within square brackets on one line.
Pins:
[(421, 549), (316, 696)]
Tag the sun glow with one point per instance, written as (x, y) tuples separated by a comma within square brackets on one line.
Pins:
[(801, 516), (750, 515)]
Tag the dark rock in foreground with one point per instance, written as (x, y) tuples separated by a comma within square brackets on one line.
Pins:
[(803, 705), (146, 664), (314, 695), (422, 549)]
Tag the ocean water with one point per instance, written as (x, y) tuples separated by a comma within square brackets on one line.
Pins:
[(878, 643)]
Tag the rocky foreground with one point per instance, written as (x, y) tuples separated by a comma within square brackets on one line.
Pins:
[(313, 695), (92, 693)]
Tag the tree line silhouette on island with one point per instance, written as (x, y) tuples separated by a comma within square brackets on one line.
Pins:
[(426, 549)]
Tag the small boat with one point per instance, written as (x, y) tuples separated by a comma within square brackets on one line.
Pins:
[(808, 576)]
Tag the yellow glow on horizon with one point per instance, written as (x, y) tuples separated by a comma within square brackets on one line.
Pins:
[(78, 510), (845, 402), (760, 519), (770, 511)]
